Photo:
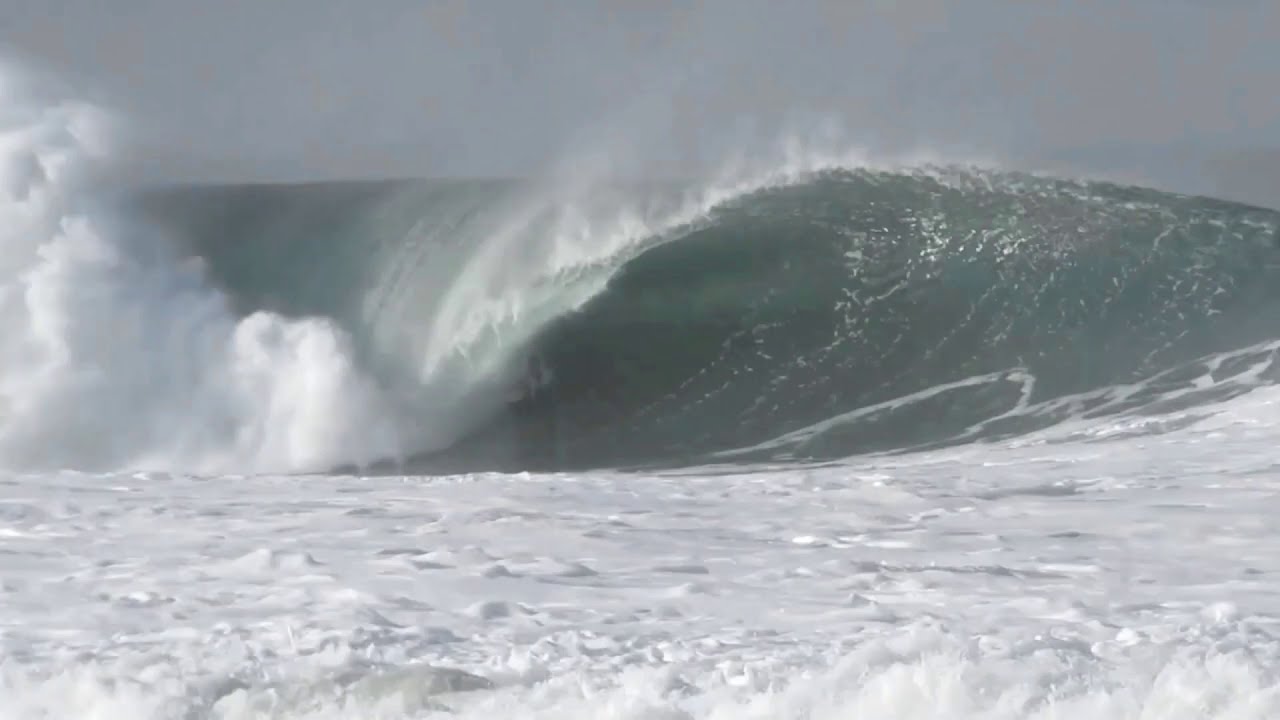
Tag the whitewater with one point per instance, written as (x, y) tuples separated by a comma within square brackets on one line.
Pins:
[(822, 436)]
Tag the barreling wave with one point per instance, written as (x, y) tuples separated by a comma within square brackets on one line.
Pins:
[(815, 308), (844, 311), (863, 310)]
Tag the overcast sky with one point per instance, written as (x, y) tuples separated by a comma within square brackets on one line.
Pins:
[(289, 89)]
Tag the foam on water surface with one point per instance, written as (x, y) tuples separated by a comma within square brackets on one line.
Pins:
[(1129, 578)]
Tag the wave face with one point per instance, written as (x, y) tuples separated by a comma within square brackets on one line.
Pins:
[(864, 310), (843, 312), (804, 310)]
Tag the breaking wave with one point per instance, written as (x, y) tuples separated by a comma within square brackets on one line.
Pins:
[(809, 306)]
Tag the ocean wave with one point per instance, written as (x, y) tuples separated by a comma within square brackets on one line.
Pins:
[(806, 305)]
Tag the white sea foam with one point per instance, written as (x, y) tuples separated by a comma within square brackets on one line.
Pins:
[(1131, 581), (116, 352)]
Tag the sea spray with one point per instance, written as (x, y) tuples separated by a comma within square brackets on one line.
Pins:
[(116, 352)]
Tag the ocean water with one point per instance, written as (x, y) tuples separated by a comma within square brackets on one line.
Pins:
[(818, 437), (1120, 571)]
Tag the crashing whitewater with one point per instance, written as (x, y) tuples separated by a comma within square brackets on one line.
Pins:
[(118, 353), (922, 442)]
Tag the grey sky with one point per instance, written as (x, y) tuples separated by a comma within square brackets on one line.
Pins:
[(1174, 89)]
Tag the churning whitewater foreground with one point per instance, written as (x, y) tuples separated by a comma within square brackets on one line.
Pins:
[(1102, 571)]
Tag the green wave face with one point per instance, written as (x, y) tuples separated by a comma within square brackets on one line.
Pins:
[(867, 311), (855, 311)]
